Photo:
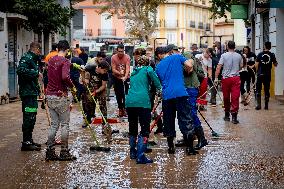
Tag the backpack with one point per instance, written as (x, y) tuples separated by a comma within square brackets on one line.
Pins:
[(197, 67)]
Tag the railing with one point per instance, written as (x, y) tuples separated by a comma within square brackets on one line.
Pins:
[(200, 25), (171, 23), (88, 32), (208, 27), (106, 32), (81, 33), (192, 24)]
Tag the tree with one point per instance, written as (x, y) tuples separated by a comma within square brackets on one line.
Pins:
[(45, 16), (219, 7), (140, 15)]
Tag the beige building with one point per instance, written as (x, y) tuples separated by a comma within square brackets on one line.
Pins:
[(182, 22)]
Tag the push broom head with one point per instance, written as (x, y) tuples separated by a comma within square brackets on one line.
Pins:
[(100, 148)]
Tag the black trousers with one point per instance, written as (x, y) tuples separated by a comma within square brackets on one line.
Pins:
[(29, 109), (143, 115), (265, 81), (244, 78), (120, 89), (250, 79)]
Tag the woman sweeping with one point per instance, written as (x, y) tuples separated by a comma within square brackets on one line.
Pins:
[(138, 106)]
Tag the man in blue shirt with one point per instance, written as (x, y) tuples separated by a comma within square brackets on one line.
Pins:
[(170, 72)]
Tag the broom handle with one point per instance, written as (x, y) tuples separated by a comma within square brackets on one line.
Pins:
[(155, 121), (86, 120), (104, 119), (205, 120), (217, 90)]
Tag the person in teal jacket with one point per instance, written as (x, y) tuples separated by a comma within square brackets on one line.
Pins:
[(138, 106)]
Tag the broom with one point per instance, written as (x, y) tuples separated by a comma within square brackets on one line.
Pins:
[(214, 134), (97, 147)]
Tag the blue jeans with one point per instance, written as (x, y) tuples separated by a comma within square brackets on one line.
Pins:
[(192, 97), (185, 121)]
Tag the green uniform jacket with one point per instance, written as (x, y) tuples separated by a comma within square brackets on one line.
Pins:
[(139, 92), (191, 80), (28, 75)]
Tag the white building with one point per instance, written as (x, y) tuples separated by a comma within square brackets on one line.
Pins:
[(14, 43), (268, 25)]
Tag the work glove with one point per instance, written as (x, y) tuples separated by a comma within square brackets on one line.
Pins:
[(74, 91)]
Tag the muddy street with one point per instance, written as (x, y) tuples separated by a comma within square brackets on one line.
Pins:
[(247, 155)]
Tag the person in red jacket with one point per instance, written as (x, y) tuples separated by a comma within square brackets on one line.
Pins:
[(59, 102)]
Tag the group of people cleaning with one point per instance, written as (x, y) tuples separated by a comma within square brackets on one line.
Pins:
[(175, 78)]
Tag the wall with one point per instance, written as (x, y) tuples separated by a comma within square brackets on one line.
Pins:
[(279, 70), (3, 58)]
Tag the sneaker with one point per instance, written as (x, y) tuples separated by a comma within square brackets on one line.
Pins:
[(29, 146), (66, 156), (50, 155)]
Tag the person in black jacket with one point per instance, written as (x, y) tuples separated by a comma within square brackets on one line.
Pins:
[(263, 65)]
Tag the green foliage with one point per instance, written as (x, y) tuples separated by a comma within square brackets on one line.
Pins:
[(140, 15), (219, 7), (45, 16)]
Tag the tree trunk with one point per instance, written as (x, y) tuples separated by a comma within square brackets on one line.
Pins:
[(46, 43)]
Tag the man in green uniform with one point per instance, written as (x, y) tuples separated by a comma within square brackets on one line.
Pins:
[(29, 90)]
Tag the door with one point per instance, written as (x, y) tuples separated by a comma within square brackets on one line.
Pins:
[(12, 60)]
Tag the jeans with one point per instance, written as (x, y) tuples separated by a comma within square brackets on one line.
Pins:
[(120, 89), (144, 117), (59, 109), (192, 97), (29, 109), (185, 121), (231, 93)]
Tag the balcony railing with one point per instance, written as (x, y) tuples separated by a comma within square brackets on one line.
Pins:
[(192, 24), (171, 23), (208, 27), (106, 32), (81, 33), (200, 25)]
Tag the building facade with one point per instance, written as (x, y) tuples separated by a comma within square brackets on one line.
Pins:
[(268, 25), (182, 22), (91, 29), (15, 42)]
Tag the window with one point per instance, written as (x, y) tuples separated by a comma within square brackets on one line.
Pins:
[(171, 17), (172, 37)]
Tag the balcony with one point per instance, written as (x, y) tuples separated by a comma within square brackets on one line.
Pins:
[(82, 33), (106, 32), (192, 24), (171, 23), (207, 27), (200, 25)]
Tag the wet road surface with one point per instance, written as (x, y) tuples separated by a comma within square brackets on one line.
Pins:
[(248, 155)]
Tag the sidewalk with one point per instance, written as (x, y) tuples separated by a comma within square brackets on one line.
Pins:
[(248, 155)]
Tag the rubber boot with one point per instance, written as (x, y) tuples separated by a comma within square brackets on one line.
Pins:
[(141, 147), (65, 155), (189, 145), (266, 103), (171, 145), (159, 127), (50, 155), (227, 116), (132, 144), (258, 102), (181, 143), (235, 118), (201, 138)]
